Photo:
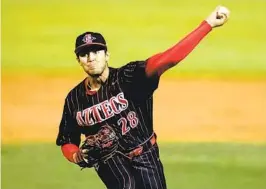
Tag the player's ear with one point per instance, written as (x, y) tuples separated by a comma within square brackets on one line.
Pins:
[(107, 55), (77, 58)]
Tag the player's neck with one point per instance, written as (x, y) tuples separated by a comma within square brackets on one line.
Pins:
[(95, 83)]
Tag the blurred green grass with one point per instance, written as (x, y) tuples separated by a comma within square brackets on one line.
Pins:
[(187, 166), (39, 36)]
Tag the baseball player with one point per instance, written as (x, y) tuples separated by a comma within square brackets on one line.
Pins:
[(122, 98)]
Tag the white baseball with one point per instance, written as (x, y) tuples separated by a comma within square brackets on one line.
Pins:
[(223, 11)]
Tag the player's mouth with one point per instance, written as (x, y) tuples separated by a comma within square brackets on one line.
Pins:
[(92, 66)]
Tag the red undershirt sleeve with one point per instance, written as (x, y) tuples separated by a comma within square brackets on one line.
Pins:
[(161, 62), (68, 151)]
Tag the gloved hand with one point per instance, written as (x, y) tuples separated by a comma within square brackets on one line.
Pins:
[(98, 147)]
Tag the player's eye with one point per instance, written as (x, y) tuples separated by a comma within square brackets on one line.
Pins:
[(82, 54)]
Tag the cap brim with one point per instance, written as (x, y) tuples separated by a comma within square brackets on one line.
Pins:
[(88, 46)]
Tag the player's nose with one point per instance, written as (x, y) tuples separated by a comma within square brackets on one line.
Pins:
[(92, 56)]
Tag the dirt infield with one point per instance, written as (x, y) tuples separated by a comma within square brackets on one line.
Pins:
[(184, 110)]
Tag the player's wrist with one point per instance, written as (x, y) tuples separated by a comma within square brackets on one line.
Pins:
[(69, 150), (206, 24)]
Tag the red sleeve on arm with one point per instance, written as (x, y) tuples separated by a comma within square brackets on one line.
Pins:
[(68, 151), (159, 63)]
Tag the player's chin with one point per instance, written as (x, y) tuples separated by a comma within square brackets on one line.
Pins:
[(94, 72)]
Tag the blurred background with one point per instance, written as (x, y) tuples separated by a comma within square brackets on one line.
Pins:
[(209, 111)]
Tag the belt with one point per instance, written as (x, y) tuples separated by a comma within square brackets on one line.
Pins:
[(143, 147)]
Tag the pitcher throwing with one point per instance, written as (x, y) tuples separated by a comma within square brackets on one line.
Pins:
[(113, 108)]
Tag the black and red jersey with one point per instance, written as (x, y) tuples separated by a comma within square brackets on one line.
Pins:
[(123, 102)]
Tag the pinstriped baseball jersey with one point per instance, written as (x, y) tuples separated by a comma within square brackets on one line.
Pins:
[(124, 102)]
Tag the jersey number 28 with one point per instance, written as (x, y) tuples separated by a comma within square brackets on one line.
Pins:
[(128, 123)]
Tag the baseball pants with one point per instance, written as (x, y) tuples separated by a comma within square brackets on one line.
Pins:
[(141, 172)]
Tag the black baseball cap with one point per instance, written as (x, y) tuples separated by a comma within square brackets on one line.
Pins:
[(90, 40)]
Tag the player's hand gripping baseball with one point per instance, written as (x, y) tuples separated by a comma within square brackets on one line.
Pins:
[(218, 17)]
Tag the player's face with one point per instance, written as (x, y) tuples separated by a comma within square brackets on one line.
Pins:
[(93, 61)]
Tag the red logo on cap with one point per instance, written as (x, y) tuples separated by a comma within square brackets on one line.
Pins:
[(88, 38)]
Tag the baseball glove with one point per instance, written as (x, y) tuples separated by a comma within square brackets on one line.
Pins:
[(99, 147)]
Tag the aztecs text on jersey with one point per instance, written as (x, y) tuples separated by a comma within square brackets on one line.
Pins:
[(102, 111)]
